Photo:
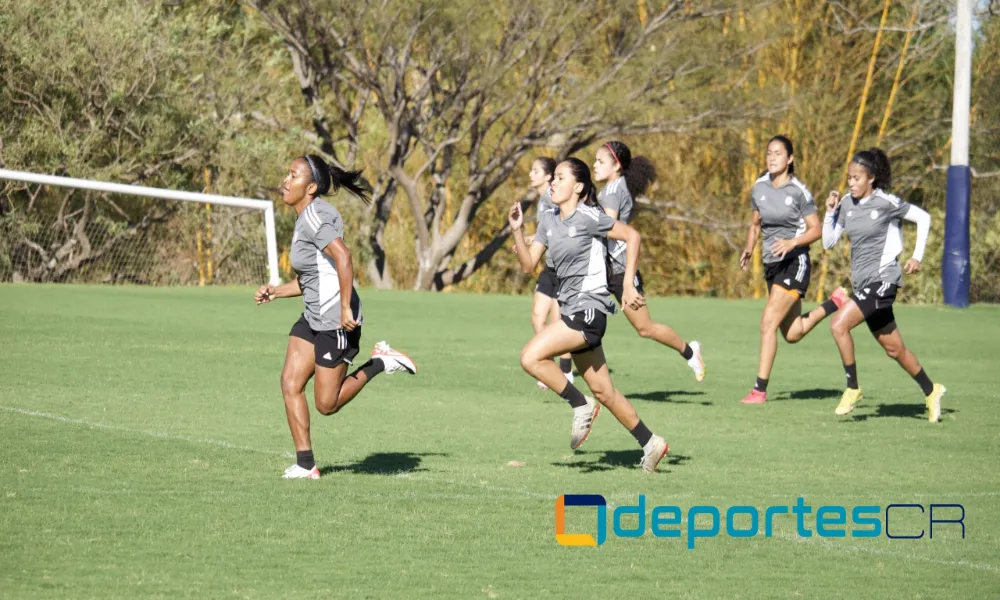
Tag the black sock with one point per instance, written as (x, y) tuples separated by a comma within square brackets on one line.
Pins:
[(761, 385), (924, 382), (641, 433), (305, 459), (829, 307), (566, 364), (371, 368), (852, 375), (573, 396), (687, 352)]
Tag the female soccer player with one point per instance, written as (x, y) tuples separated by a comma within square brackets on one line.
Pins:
[(613, 164), (545, 304), (326, 338), (871, 218), (575, 238), (784, 211)]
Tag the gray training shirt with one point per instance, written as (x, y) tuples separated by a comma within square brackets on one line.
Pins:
[(783, 213), (576, 246), (545, 205), (872, 225), (615, 196), (317, 226)]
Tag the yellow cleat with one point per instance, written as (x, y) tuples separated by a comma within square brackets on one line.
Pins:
[(848, 401), (933, 402)]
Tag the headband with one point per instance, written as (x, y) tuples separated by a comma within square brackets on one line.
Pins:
[(615, 156), (864, 162), (315, 174)]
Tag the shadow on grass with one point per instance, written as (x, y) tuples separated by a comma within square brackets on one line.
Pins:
[(382, 463), (620, 459), (810, 394), (898, 411), (669, 396)]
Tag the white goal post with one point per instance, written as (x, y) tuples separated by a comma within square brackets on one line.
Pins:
[(137, 190)]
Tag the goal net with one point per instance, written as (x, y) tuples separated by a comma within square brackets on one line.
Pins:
[(59, 229)]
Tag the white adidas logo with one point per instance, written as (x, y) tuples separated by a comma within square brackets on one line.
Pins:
[(788, 282), (327, 356)]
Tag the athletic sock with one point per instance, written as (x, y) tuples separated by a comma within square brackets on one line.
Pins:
[(852, 375), (573, 396), (371, 368), (566, 364), (304, 458), (761, 385), (687, 352), (925, 383), (641, 433), (829, 307)]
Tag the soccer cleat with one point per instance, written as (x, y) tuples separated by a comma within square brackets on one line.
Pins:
[(541, 385), (297, 472), (839, 297), (393, 360), (569, 376), (583, 420), (755, 397), (848, 401), (696, 363), (654, 450), (933, 402)]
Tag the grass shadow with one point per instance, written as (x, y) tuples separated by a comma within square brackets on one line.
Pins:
[(810, 394), (382, 463), (898, 411), (620, 459), (669, 396)]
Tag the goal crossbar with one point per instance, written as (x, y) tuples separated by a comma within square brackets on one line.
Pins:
[(150, 192)]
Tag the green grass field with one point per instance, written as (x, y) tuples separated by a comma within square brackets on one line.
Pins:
[(143, 437)]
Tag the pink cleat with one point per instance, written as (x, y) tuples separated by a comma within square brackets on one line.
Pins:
[(755, 397)]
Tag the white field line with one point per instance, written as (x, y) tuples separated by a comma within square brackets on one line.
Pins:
[(825, 544), (147, 432)]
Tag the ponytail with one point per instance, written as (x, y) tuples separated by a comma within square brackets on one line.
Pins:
[(329, 177)]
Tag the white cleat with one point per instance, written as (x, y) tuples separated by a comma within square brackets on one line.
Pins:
[(696, 363), (541, 385), (297, 472), (569, 376), (583, 420), (654, 450), (394, 361)]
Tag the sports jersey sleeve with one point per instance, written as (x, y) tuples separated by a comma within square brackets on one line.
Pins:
[(806, 204), (601, 225), (331, 227), (923, 221), (542, 232), (615, 200), (833, 226)]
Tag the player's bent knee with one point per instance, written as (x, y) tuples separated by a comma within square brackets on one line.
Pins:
[(528, 362), (894, 352), (645, 331)]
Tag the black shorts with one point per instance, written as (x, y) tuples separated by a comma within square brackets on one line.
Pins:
[(332, 347), (591, 323), (548, 283), (616, 285), (790, 273), (875, 302)]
